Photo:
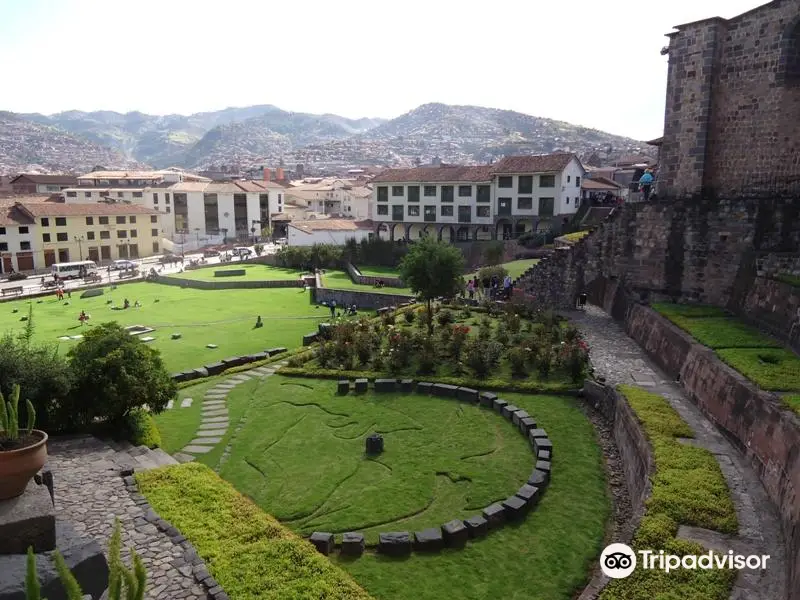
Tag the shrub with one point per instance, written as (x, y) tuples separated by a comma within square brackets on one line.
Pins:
[(363, 347), (409, 316), (482, 356), (518, 360), (513, 322), (494, 271), (573, 356), (445, 317), (544, 361), (115, 373), (400, 348), (466, 313), (459, 337), (388, 318), (141, 429), (501, 334), (427, 355)]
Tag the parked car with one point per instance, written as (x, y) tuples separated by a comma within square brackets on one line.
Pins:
[(169, 259), (17, 276), (241, 252), (209, 253), (123, 265)]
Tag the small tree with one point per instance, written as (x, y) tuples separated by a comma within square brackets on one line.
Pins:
[(493, 254), (114, 373), (432, 269)]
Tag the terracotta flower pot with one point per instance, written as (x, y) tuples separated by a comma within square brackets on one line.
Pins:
[(17, 467)]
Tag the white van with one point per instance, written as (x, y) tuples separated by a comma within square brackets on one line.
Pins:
[(241, 251), (73, 270)]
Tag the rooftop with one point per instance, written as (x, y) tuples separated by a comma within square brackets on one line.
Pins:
[(425, 174), (53, 209), (45, 179), (600, 184), (11, 215), (540, 163), (331, 225)]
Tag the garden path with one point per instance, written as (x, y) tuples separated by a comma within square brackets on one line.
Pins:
[(620, 360)]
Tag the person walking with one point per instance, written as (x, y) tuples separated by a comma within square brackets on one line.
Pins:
[(487, 284), (507, 286), (332, 306), (646, 184), (471, 289)]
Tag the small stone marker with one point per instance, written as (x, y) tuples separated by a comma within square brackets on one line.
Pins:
[(353, 544), (495, 515), (361, 386), (186, 403), (170, 404), (455, 534), (212, 346), (515, 507), (394, 543), (374, 444), (175, 336), (343, 387), (322, 541), (428, 540), (477, 526), (147, 339)]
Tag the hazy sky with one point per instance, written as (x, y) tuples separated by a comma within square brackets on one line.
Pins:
[(588, 62)]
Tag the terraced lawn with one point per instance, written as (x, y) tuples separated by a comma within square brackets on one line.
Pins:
[(515, 268), (379, 271), (252, 273), (341, 281)]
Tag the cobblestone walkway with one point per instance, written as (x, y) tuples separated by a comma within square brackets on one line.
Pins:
[(90, 493), (620, 360)]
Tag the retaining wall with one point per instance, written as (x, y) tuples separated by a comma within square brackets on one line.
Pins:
[(223, 284), (371, 300), (357, 277)]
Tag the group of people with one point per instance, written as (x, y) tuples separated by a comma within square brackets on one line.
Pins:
[(490, 288), (347, 310)]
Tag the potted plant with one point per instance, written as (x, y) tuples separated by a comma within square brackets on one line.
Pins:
[(22, 452)]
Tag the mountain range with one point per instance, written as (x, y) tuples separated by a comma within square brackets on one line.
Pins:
[(265, 134)]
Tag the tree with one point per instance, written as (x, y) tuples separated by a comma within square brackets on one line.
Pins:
[(115, 372), (433, 269), (493, 254)]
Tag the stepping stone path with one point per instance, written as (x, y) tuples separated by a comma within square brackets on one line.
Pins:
[(186, 403), (214, 423)]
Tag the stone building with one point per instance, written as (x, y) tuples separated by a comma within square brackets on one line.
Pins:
[(732, 119)]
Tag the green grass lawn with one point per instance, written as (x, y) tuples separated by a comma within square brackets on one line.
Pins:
[(724, 332), (515, 268), (341, 281), (252, 273), (178, 426), (299, 455), (792, 280), (773, 369), (379, 271), (224, 318)]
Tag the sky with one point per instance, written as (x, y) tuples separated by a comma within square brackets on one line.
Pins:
[(591, 63)]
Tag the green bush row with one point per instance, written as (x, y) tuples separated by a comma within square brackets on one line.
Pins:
[(142, 429), (247, 551), (688, 488), (523, 387)]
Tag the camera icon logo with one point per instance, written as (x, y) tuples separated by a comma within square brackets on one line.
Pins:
[(617, 561)]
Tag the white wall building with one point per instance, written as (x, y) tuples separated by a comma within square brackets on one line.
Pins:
[(328, 231), (500, 201), (333, 197)]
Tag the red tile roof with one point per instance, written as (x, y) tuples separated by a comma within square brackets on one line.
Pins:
[(426, 174), (50, 209), (11, 215), (52, 179), (331, 225), (542, 163)]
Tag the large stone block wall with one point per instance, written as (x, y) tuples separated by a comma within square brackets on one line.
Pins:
[(767, 433), (229, 285), (775, 307), (371, 300), (357, 277), (732, 120)]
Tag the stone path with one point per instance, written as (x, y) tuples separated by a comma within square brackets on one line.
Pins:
[(214, 423), (90, 493), (620, 360)]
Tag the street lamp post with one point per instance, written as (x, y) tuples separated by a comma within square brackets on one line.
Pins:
[(80, 240)]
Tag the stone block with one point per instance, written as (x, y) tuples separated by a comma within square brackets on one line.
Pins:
[(361, 386), (536, 433), (343, 387), (455, 534), (274, 351), (310, 338), (322, 541), (543, 455), (28, 520), (498, 405), (466, 394), (487, 399), (508, 410), (175, 336), (201, 372), (544, 467), (530, 494), (353, 544), (407, 385), (215, 368), (543, 445), (477, 526), (385, 385), (518, 415), (526, 424), (258, 356), (234, 361), (424, 387), (394, 543), (189, 375), (444, 390), (515, 508), (495, 515), (178, 377), (428, 540)]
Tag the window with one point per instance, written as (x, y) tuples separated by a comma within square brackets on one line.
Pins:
[(3, 247), (168, 210), (102, 194), (413, 193), (90, 235), (546, 207), (88, 194), (397, 190), (504, 206), (484, 193), (577, 182), (547, 181), (90, 220), (120, 220), (122, 234), (464, 214), (45, 237), (137, 194), (105, 252), (132, 219), (430, 191), (483, 211), (154, 232), (120, 194), (447, 193), (447, 211), (569, 177), (72, 194), (505, 182), (45, 222), (567, 200), (62, 237), (103, 220), (24, 245), (397, 212), (166, 199), (23, 230), (383, 209), (383, 193), (155, 198), (105, 235), (2, 230), (525, 203), (465, 191), (525, 184), (155, 247), (154, 218), (61, 221), (134, 233), (413, 211)]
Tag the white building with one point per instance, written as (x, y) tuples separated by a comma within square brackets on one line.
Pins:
[(328, 231), (332, 197), (500, 201)]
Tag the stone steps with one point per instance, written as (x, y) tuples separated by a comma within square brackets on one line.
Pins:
[(139, 458)]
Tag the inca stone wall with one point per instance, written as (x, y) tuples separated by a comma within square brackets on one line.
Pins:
[(732, 119)]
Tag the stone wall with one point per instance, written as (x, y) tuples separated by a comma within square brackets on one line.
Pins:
[(774, 307), (228, 285), (732, 114), (370, 300), (357, 277), (767, 433)]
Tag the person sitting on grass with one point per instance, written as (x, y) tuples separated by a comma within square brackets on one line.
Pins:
[(127, 304), (259, 322), (136, 304)]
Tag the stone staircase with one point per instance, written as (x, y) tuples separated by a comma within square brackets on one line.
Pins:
[(138, 458)]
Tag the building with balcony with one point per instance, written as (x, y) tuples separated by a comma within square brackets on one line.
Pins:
[(347, 198), (457, 203)]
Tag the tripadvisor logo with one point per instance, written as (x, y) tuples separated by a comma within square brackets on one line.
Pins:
[(618, 561)]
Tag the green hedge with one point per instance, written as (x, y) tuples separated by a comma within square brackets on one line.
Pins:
[(142, 429), (689, 489), (537, 387), (773, 369), (248, 552)]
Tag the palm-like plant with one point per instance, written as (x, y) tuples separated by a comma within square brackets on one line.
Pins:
[(9, 416)]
